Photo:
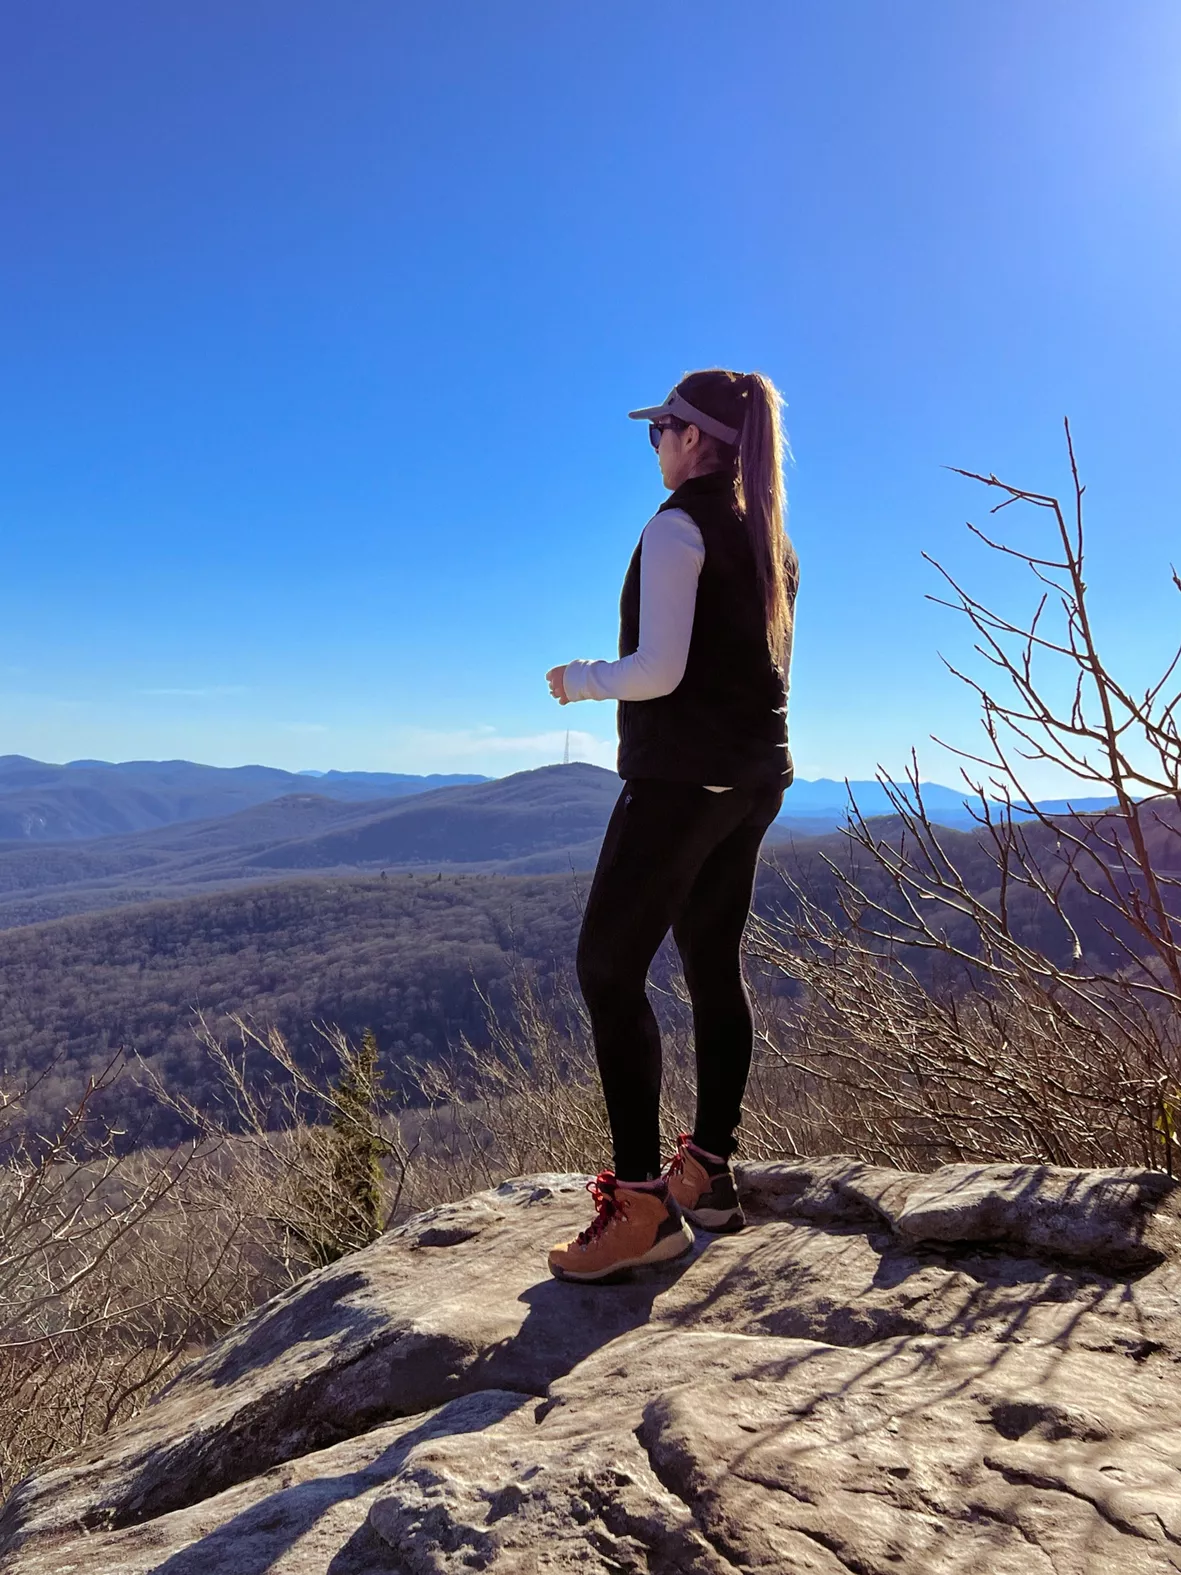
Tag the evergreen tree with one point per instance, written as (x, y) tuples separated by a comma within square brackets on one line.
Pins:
[(338, 1201), (358, 1147)]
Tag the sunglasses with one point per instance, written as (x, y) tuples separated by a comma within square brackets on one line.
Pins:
[(656, 430)]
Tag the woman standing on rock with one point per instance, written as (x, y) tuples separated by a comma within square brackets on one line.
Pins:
[(705, 648)]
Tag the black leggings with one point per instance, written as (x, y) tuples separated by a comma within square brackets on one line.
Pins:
[(674, 854)]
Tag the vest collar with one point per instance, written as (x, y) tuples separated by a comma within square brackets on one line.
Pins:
[(716, 481)]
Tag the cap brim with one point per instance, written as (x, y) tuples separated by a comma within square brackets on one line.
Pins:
[(676, 405)]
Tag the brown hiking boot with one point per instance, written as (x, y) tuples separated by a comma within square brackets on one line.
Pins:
[(630, 1227), (704, 1189)]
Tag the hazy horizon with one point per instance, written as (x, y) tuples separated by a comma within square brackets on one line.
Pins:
[(311, 774)]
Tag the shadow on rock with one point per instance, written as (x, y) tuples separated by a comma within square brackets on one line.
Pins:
[(567, 1322), (307, 1311), (251, 1542)]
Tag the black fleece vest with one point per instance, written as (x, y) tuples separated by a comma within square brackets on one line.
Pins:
[(725, 723)]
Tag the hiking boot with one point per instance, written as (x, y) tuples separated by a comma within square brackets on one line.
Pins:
[(704, 1188), (631, 1227)]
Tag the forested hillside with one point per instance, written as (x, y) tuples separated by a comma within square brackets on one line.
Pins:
[(401, 953)]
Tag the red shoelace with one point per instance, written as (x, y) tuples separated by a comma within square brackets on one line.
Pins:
[(677, 1163), (607, 1206)]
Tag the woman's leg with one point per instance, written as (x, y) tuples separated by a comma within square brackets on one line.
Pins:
[(659, 836), (708, 933)]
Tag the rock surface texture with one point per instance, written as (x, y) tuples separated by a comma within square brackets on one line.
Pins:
[(973, 1372)]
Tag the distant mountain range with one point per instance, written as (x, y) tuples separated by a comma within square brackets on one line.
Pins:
[(86, 799), (96, 798), (823, 805), (536, 822)]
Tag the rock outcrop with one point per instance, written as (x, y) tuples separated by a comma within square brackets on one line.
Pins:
[(972, 1372)]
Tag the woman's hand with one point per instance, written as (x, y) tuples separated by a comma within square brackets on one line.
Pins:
[(557, 687)]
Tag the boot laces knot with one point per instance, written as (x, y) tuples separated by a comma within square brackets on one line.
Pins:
[(608, 1206), (677, 1163)]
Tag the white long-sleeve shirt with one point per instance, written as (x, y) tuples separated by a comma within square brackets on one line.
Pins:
[(671, 560)]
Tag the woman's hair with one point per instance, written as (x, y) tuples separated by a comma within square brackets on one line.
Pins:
[(752, 403)]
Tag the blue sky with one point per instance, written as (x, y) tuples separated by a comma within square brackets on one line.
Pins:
[(319, 325)]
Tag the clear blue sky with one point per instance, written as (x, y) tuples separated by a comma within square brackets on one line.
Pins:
[(318, 325)]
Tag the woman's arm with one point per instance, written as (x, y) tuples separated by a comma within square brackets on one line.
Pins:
[(671, 555)]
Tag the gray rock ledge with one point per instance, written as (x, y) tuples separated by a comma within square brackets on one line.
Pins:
[(895, 1374)]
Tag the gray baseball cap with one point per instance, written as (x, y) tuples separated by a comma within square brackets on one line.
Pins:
[(674, 405)]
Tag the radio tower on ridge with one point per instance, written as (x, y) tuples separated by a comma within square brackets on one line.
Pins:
[(566, 756)]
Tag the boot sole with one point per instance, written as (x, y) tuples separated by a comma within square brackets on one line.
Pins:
[(673, 1247), (719, 1222)]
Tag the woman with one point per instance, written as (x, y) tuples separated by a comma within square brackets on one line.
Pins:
[(704, 652)]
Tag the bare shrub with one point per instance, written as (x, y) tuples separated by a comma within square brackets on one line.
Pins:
[(319, 1168), (527, 1101), (118, 1263), (113, 1265), (1033, 1012), (884, 1066)]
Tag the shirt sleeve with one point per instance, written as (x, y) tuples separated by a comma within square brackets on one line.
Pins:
[(672, 553)]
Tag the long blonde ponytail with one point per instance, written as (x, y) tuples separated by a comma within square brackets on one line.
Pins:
[(751, 402), (763, 500)]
